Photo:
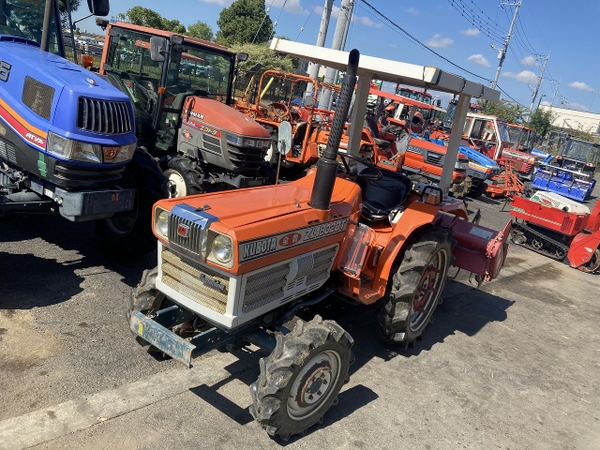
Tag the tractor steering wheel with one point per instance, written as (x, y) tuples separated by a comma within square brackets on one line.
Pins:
[(279, 110), (374, 173)]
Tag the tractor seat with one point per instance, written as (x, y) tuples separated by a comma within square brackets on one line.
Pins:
[(381, 197), (371, 125)]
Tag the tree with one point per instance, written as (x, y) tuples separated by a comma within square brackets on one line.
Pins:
[(508, 110), (147, 17), (201, 30), (64, 12), (260, 58), (541, 121), (245, 21)]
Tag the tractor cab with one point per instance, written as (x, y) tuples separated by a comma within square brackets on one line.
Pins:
[(159, 70), (181, 88), (578, 155)]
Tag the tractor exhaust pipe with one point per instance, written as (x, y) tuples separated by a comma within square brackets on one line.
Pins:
[(327, 166)]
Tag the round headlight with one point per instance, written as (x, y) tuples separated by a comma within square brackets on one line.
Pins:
[(162, 223), (222, 249)]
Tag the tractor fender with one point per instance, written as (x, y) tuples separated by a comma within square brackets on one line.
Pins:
[(582, 248), (414, 221)]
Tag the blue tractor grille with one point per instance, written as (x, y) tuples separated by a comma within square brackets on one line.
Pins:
[(102, 116)]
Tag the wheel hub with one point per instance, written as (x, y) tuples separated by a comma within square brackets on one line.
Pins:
[(315, 385), (426, 288)]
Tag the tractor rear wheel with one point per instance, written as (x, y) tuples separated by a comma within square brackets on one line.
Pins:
[(128, 234), (416, 287), (301, 379), (182, 178), (477, 189)]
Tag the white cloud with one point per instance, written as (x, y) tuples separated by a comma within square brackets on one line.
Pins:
[(530, 61), (394, 45), (437, 41), (578, 107), (525, 76), (471, 32), (581, 86), (412, 10), (291, 6), (479, 59)]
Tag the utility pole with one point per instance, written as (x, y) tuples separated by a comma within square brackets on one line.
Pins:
[(537, 87), (313, 71), (339, 42), (555, 92), (502, 54)]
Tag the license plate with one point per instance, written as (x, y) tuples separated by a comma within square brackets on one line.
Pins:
[(161, 338)]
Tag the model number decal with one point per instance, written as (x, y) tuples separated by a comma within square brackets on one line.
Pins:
[(4, 70), (272, 244)]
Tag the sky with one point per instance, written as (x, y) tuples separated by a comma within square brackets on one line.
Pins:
[(459, 36)]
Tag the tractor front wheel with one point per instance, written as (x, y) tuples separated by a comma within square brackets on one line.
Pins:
[(301, 379), (416, 287), (460, 190), (182, 178)]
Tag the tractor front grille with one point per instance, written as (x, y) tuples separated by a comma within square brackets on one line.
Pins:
[(434, 158), (192, 240), (280, 283), (197, 283), (245, 159), (102, 116), (273, 284)]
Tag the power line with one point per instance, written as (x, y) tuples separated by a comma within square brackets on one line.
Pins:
[(414, 39), (483, 25), (307, 19)]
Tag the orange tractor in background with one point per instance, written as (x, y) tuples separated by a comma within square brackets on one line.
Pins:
[(235, 267), (422, 159), (280, 97)]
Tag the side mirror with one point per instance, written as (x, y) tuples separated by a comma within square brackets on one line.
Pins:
[(158, 48), (99, 7), (102, 23), (284, 138)]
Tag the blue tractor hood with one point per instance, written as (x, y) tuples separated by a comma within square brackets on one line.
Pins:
[(45, 91), (478, 157)]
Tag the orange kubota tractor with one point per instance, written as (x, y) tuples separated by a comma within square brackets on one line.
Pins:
[(280, 97), (182, 89), (234, 267), (423, 160)]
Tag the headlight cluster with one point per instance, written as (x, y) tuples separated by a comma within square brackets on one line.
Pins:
[(86, 152), (213, 246), (247, 142)]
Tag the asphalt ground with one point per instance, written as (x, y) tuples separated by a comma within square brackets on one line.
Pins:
[(513, 364)]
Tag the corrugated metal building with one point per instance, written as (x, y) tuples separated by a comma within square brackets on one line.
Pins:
[(570, 119)]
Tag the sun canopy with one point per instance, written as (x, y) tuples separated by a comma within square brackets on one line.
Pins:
[(425, 77)]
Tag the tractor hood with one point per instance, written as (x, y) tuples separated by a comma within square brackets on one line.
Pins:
[(479, 158), (254, 210), (45, 92), (218, 115)]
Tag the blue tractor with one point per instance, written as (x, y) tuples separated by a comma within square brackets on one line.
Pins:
[(571, 173), (67, 136)]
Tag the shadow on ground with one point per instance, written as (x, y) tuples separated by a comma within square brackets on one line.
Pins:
[(41, 279)]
